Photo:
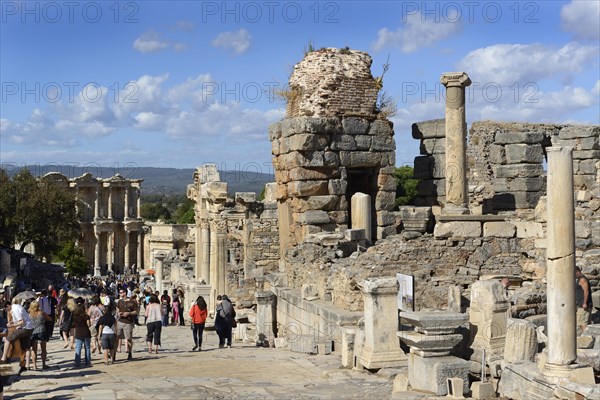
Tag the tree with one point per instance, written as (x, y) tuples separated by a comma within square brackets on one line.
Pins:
[(406, 186), (185, 212), (74, 259), (8, 225), (154, 212), (37, 211)]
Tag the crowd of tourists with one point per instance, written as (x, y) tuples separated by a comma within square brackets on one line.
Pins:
[(102, 321)]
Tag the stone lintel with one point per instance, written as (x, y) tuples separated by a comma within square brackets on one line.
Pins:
[(434, 322)]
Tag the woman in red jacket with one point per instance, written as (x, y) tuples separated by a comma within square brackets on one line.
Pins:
[(198, 314)]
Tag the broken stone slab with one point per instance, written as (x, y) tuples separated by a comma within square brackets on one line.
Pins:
[(499, 229), (245, 197), (528, 153), (354, 234)]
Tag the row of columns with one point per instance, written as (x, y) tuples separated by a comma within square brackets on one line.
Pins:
[(110, 251), (110, 213)]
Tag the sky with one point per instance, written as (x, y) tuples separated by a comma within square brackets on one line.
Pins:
[(183, 83)]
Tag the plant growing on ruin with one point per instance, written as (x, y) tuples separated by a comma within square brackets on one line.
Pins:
[(309, 48), (385, 106)]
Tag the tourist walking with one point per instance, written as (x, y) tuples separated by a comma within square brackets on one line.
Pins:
[(225, 319), (48, 305), (107, 327), (95, 312), (67, 306), (165, 301), (175, 305), (198, 313), (39, 319), (82, 334), (127, 310), (154, 315), (181, 307), (19, 319)]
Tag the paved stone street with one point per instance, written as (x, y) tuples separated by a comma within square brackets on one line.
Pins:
[(242, 372)]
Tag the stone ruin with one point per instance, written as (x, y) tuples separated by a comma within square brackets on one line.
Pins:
[(492, 207)]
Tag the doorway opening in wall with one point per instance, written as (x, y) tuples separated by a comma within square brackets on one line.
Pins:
[(363, 180)]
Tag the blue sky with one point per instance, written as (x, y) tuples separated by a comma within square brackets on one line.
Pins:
[(182, 83)]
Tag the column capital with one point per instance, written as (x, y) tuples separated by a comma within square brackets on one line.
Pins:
[(455, 79)]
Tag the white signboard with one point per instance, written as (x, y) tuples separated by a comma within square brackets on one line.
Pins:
[(406, 296)]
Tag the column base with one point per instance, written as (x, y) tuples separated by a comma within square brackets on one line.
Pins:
[(382, 359), (453, 209)]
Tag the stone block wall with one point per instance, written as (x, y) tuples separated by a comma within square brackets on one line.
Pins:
[(320, 162)]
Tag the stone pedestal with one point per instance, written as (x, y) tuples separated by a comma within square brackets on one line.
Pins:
[(381, 347), (456, 142), (360, 205), (431, 373), (264, 318), (488, 315), (560, 251)]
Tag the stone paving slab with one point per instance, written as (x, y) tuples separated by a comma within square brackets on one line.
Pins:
[(242, 372)]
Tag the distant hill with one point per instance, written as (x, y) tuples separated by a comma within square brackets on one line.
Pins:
[(158, 180)]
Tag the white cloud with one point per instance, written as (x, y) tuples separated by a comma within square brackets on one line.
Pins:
[(186, 26), (506, 64), (582, 19), (238, 41), (150, 42), (417, 33)]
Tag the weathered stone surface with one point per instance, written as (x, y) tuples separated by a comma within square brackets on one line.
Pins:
[(343, 142), (519, 171), (499, 229), (524, 153), (520, 184), (385, 200), (529, 229), (431, 374), (519, 137), (521, 341), (307, 142), (433, 146), (313, 217), (381, 128), (457, 229), (497, 154), (304, 124), (327, 203), (581, 131), (355, 126), (307, 188), (385, 143), (435, 128)]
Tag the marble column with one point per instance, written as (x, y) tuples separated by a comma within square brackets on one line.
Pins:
[(110, 256), (221, 261), (97, 204), (457, 201), (126, 203), (560, 252), (360, 206), (97, 267), (139, 203), (110, 202), (381, 347), (158, 271), (140, 256), (126, 260), (198, 250), (206, 253)]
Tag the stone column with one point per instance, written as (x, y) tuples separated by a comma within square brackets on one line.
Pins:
[(158, 271), (457, 201), (97, 268), (126, 261), (220, 256), (381, 346), (110, 256), (126, 203), (97, 203), (264, 318), (140, 256), (139, 203), (360, 205), (560, 252), (205, 254), (110, 202), (198, 249)]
